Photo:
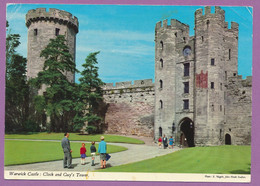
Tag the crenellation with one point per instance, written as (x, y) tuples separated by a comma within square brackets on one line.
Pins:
[(53, 14), (129, 84)]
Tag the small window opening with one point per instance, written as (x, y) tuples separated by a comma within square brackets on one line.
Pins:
[(202, 38), (184, 38), (212, 107), (57, 31), (175, 34), (212, 61), (161, 63), (229, 54), (186, 87), (161, 84), (234, 74), (220, 86), (35, 32), (161, 104), (186, 69), (161, 44), (212, 85), (207, 24), (142, 82), (186, 104), (220, 107)]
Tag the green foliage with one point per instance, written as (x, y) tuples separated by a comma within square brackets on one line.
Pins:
[(121, 91), (91, 129), (90, 96), (59, 98), (17, 89)]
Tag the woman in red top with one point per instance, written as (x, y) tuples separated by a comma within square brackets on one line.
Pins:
[(83, 151)]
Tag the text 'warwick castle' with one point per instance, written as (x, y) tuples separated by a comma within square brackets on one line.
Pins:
[(197, 97)]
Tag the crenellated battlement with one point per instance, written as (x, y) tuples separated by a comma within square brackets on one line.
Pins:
[(218, 12), (175, 24), (54, 15), (128, 84), (243, 82)]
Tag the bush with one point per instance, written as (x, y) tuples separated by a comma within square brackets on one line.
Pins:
[(91, 129)]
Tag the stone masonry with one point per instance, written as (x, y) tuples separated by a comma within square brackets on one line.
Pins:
[(197, 97), (45, 25)]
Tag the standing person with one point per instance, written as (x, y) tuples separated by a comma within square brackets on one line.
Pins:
[(102, 150), (93, 152), (165, 140), (160, 142), (65, 144), (171, 142), (83, 151)]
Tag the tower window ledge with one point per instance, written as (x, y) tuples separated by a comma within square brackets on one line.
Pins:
[(185, 95), (185, 77)]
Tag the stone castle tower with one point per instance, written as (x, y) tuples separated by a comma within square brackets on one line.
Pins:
[(45, 25), (192, 76)]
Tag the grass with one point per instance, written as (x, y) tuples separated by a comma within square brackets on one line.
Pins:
[(74, 137), (215, 160), (24, 152)]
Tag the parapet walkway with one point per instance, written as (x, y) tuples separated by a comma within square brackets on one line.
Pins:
[(133, 154)]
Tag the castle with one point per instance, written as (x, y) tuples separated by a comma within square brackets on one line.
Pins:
[(197, 97)]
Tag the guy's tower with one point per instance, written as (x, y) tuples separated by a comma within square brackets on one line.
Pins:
[(45, 25)]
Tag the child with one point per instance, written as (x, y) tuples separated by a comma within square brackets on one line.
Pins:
[(171, 142), (160, 142), (83, 154), (93, 152)]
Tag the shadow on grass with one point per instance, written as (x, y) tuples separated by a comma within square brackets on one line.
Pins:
[(242, 171)]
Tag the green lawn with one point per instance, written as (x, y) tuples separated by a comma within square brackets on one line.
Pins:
[(215, 160), (74, 137), (23, 152)]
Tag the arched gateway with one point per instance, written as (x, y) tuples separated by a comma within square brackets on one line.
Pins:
[(186, 128)]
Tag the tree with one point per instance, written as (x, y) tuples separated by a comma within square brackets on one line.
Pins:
[(17, 89), (90, 96), (58, 100)]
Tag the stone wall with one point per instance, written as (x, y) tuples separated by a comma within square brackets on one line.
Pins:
[(130, 108), (238, 110)]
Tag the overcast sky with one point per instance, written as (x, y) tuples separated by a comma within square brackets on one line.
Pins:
[(124, 35)]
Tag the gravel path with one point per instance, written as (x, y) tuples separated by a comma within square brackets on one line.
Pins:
[(134, 153)]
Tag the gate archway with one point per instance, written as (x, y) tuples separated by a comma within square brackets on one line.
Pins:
[(187, 133)]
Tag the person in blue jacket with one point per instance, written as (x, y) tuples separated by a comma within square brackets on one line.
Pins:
[(102, 150)]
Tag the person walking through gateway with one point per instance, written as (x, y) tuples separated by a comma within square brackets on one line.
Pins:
[(102, 150), (65, 144)]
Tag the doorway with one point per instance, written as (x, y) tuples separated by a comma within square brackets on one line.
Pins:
[(227, 139), (187, 133)]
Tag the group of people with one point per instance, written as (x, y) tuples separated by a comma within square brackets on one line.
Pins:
[(67, 160), (165, 142)]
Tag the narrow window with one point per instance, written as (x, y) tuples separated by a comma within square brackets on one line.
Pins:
[(207, 24), (220, 133), (212, 61), (35, 32), (186, 87), (186, 104), (220, 86), (161, 44), (229, 54), (175, 34), (212, 85), (202, 39), (234, 74), (184, 38), (212, 107), (186, 69), (225, 75), (161, 84), (220, 108), (57, 31), (161, 104), (161, 63)]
